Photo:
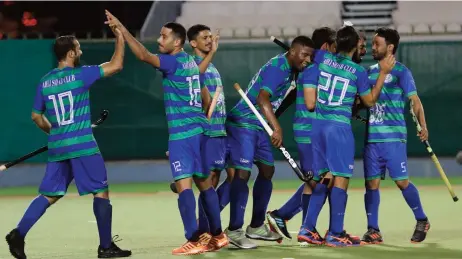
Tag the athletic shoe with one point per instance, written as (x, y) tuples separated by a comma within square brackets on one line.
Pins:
[(372, 236), (238, 238), (277, 224), (16, 243), (263, 232), (420, 232)]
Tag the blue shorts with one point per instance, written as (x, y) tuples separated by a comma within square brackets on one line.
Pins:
[(89, 173), (247, 146), (305, 154), (185, 157), (333, 149), (214, 153), (378, 157)]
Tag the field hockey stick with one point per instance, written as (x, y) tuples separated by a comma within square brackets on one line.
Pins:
[(433, 155), (214, 101), (102, 118), (286, 48), (304, 176)]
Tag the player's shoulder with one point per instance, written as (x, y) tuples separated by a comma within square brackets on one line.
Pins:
[(278, 62), (400, 67)]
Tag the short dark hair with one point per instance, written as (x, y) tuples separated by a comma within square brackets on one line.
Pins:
[(303, 41), (323, 35), (178, 30), (391, 36), (62, 45), (194, 30), (347, 39)]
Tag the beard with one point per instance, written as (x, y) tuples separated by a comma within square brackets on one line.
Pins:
[(357, 58), (77, 62)]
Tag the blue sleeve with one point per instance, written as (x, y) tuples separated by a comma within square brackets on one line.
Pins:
[(89, 74), (167, 63), (309, 77), (319, 56), (39, 103), (406, 81), (272, 77), (362, 83)]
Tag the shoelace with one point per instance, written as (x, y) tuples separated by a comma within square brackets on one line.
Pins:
[(116, 239), (421, 226)]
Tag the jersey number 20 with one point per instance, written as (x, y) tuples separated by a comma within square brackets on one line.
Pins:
[(60, 108), (330, 86), (194, 92)]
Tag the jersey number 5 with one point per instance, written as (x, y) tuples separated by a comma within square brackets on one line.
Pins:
[(194, 92), (60, 101), (330, 87)]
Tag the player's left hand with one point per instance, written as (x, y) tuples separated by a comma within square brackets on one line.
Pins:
[(215, 39), (112, 21), (423, 134)]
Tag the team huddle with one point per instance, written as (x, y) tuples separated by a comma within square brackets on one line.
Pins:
[(330, 88)]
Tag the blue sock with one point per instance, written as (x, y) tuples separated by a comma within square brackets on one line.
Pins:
[(209, 199), (292, 206), (314, 208), (102, 209), (305, 204), (239, 194), (33, 213), (411, 195), (187, 206), (372, 202), (262, 190), (338, 201), (203, 221), (223, 194)]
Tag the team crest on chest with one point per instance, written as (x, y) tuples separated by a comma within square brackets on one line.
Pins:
[(388, 79)]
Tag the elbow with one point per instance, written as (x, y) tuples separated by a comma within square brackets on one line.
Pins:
[(119, 68)]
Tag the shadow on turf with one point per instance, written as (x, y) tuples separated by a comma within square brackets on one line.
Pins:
[(417, 251)]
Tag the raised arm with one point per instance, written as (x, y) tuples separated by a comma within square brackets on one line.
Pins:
[(369, 96), (137, 48), (207, 59), (116, 64)]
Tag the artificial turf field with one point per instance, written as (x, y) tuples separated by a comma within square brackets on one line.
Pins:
[(146, 217)]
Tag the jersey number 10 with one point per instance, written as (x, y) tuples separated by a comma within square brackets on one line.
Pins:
[(60, 108), (194, 92), (330, 87)]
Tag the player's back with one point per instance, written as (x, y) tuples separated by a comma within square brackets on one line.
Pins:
[(211, 79), (65, 101), (339, 80), (275, 78), (182, 95), (386, 117)]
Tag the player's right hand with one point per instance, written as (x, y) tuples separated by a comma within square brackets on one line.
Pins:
[(276, 138), (387, 64)]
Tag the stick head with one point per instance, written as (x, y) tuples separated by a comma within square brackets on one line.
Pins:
[(2, 168), (237, 86), (455, 199), (272, 38)]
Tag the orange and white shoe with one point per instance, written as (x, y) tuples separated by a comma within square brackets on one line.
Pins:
[(217, 242), (204, 239), (190, 248)]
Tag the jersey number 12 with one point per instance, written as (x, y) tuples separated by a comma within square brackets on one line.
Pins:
[(330, 87), (194, 92), (60, 108)]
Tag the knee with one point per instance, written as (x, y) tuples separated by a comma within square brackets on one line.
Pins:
[(266, 171), (102, 195), (53, 199), (230, 175), (341, 182), (402, 184), (372, 184), (241, 174)]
